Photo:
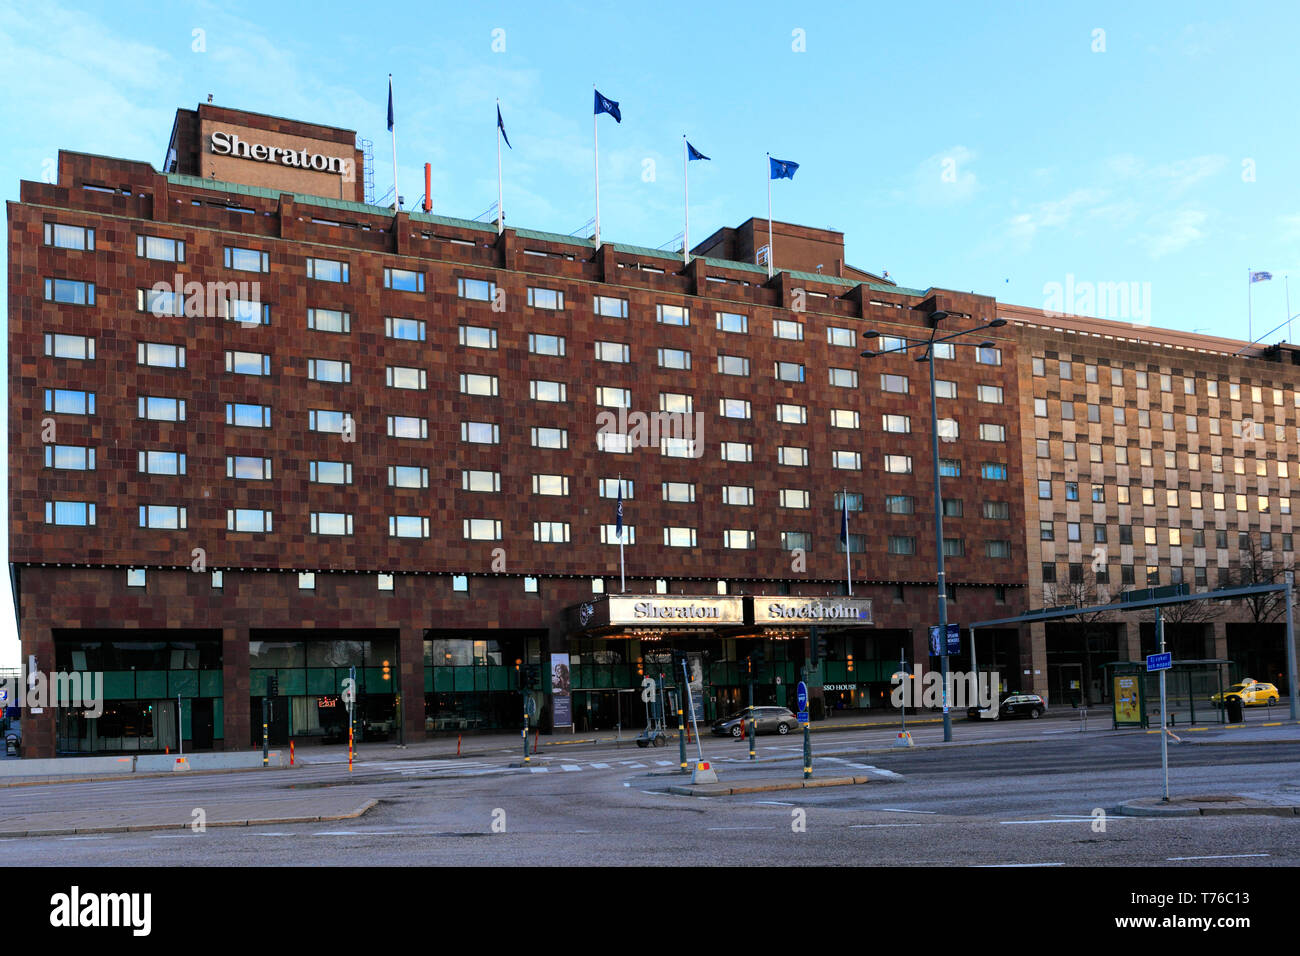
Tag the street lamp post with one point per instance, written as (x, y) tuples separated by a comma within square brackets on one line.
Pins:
[(928, 357)]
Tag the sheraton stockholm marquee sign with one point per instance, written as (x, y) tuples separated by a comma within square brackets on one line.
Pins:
[(228, 144)]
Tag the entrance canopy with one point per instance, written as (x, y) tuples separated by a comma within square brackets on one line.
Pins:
[(616, 615)]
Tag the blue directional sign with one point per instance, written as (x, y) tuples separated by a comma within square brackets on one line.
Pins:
[(954, 639), (801, 694), (1160, 662)]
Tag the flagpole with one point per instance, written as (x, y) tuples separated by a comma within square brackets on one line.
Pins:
[(686, 180), (1249, 284), (501, 212), (394, 132), (595, 137), (848, 566), (622, 534), (1287, 281), (769, 215)]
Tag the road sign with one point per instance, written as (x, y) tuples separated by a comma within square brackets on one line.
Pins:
[(954, 639), (801, 695), (1160, 662), (803, 716)]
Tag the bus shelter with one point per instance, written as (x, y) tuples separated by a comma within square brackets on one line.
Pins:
[(1190, 689)]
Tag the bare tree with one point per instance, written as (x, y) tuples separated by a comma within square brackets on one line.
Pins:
[(1258, 566)]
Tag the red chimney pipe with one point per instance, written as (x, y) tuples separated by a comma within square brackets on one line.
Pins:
[(428, 187)]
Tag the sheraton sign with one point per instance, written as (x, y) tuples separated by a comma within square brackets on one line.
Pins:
[(223, 143)]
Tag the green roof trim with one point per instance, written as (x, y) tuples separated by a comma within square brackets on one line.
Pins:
[(819, 277), (434, 220), (645, 251), (732, 264), (555, 237)]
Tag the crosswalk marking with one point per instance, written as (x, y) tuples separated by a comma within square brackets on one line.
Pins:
[(664, 763), (539, 769), (568, 767), (600, 766)]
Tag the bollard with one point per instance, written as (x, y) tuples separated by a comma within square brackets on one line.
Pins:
[(290, 753), (458, 736), (536, 734)]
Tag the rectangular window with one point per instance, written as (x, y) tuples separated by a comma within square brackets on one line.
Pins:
[(898, 464), (796, 541), (329, 370), (612, 352), (408, 526), (733, 408), (893, 383), (549, 437), (610, 307), (330, 270), (404, 476), (944, 389), (733, 365), (990, 432), (737, 451), (551, 485), (844, 418), (609, 534), (847, 338), (732, 322), (407, 426), (156, 247), (160, 355), (332, 523), (69, 292), (679, 537), (846, 460), (738, 495), (902, 544), (610, 487), (613, 397), (543, 391), (738, 539), (80, 513), (69, 346), (403, 280), (164, 517), (676, 403), (248, 363), (674, 358), (477, 337), (546, 344), (991, 394), (899, 424), (70, 457), (787, 329), (247, 469), (672, 315), (678, 492), (545, 298), (989, 356), (329, 320), (158, 409), (949, 468), (402, 376), (841, 377), (483, 482), (161, 463), (246, 416), (329, 421), (551, 532), (792, 455), (247, 260), (480, 290), (248, 520), (899, 504), (69, 237), (993, 471), (245, 311), (481, 529), (481, 433), (794, 498), (325, 472), (411, 330), (997, 510)]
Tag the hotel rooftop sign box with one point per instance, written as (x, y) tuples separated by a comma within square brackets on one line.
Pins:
[(223, 143)]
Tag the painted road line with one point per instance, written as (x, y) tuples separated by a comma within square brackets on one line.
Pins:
[(569, 767), (632, 764), (1223, 856), (896, 810), (1012, 823), (873, 826), (664, 763), (86, 838), (985, 866), (742, 828), (772, 803), (600, 766), (539, 769)]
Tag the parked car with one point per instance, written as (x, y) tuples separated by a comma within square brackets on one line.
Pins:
[(1010, 705), (769, 720), (1250, 692)]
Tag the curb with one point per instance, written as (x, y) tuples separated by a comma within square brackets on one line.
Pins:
[(101, 778), (1205, 810), (142, 827), (723, 790)]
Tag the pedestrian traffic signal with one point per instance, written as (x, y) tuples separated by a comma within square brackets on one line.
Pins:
[(758, 655), (387, 674), (817, 647)]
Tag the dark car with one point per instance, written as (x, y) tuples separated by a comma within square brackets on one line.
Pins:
[(770, 720), (1010, 705)]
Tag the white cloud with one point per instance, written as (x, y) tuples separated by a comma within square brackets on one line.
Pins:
[(1171, 232), (944, 178)]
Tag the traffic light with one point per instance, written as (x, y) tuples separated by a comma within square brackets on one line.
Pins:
[(640, 667), (387, 672), (533, 676), (273, 687), (817, 647), (520, 677), (758, 656), (850, 663)]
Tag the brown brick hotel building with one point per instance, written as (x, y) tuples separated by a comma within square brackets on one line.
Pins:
[(259, 428)]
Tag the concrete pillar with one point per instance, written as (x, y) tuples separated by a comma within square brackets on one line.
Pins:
[(1218, 639), (410, 663), (235, 726), (1035, 662), (1130, 648), (40, 730)]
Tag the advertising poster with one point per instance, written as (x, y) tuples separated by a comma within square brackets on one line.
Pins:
[(561, 692)]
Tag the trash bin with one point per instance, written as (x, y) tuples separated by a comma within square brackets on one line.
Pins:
[(1232, 706)]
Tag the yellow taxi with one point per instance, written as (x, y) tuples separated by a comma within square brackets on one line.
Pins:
[(1250, 691)]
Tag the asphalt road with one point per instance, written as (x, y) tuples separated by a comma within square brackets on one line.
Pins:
[(1046, 799)]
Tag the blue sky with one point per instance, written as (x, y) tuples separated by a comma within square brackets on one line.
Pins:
[(993, 147)]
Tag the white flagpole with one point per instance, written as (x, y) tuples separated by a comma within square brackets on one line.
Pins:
[(1287, 281), (501, 212), (595, 137), (622, 534), (394, 132), (686, 180), (769, 216), (1249, 289), (848, 564)]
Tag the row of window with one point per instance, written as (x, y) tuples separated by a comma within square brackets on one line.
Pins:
[(1195, 499), (1245, 428), (1127, 574), (1069, 452), (256, 521), (1174, 536), (1166, 382)]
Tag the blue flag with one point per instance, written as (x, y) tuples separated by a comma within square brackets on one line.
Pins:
[(693, 153), (782, 168), (502, 126), (390, 102), (605, 105), (619, 513), (1260, 276)]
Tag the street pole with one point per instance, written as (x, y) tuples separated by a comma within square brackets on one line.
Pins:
[(1290, 645), (751, 709), (686, 676), (180, 729), (266, 721), (681, 731), (938, 540), (807, 726), (907, 691), (1164, 736)]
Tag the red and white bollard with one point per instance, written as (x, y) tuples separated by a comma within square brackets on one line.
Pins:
[(291, 753)]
